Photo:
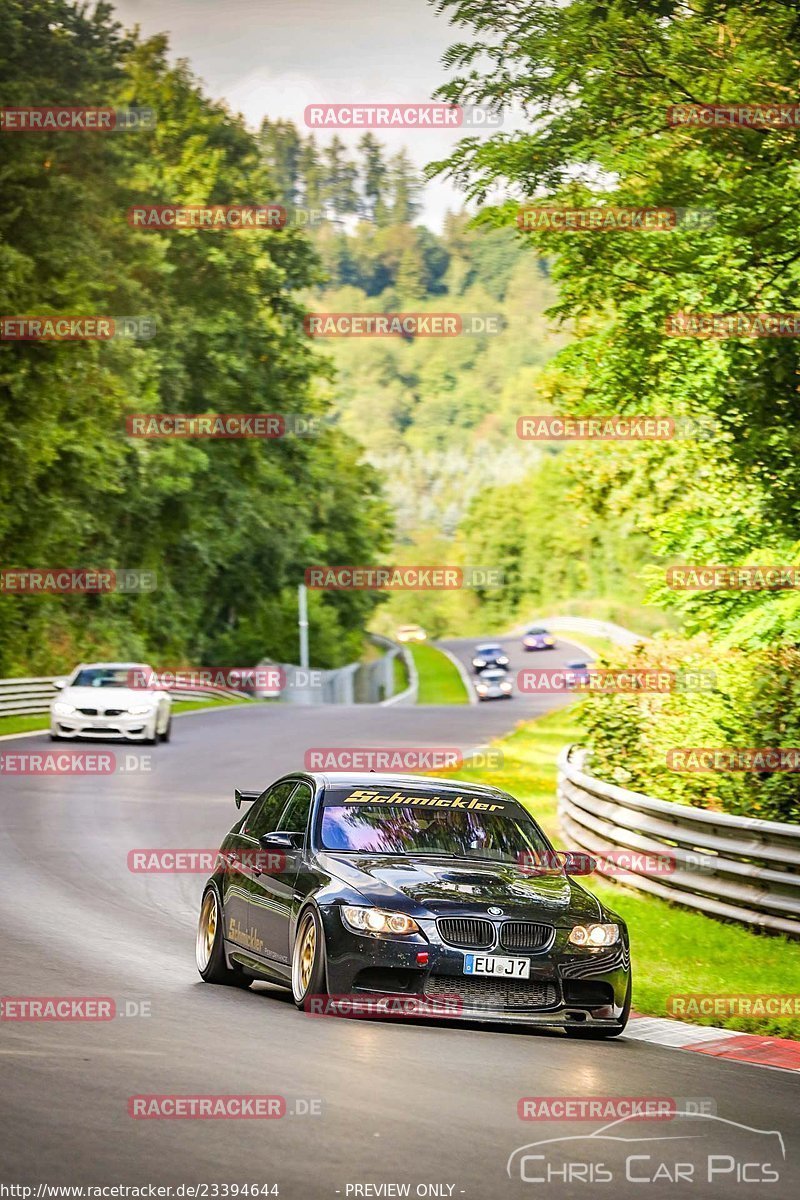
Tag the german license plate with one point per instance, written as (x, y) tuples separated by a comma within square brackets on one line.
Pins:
[(494, 964)]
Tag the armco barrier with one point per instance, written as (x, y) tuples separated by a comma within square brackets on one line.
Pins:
[(30, 697), (739, 868), (369, 682), (357, 683)]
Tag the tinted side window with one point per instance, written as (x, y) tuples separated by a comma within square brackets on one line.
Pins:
[(295, 818), (265, 812)]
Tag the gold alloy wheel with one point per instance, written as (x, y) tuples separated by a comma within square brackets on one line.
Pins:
[(304, 956), (206, 930)]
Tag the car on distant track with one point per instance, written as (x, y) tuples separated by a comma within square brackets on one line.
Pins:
[(494, 684), (411, 633), (487, 656), (364, 885), (104, 700), (538, 638), (577, 673)]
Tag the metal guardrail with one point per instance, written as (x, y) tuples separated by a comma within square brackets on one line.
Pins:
[(739, 868), (409, 694), (357, 683), (32, 697)]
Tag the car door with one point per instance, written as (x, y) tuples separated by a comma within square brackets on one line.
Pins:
[(273, 896), (243, 856)]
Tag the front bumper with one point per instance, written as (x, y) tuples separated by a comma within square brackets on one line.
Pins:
[(568, 985), (97, 728)]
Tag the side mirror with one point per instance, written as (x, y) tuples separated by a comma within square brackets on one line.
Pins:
[(241, 797), (578, 862), (58, 684), (281, 841)]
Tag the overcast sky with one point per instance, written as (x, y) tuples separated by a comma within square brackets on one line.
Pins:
[(273, 57)]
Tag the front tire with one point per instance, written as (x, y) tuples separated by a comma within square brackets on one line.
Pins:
[(209, 949), (165, 736), (308, 958)]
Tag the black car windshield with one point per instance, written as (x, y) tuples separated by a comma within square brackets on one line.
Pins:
[(453, 824), (104, 677)]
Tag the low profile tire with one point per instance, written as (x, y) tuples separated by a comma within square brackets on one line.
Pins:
[(167, 734), (209, 950), (308, 958), (597, 1033)]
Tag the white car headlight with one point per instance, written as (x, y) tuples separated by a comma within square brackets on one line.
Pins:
[(377, 920), (506, 687), (140, 710), (594, 935), (62, 709), (479, 662)]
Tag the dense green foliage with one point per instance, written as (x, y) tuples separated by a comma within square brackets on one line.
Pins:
[(227, 525), (596, 82)]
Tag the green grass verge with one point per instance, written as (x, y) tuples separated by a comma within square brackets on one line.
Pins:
[(23, 724), (439, 681), (400, 674), (675, 951), (39, 723)]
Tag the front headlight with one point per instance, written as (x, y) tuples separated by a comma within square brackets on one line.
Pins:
[(479, 662), (594, 935), (502, 660), (506, 687), (140, 710), (377, 920), (62, 709)]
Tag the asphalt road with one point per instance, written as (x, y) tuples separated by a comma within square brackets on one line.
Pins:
[(419, 1104)]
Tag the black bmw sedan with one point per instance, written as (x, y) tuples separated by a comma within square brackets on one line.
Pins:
[(366, 885)]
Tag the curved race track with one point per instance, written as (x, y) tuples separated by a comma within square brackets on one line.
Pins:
[(401, 1103)]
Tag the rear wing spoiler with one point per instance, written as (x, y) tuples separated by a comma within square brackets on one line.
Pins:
[(241, 797)]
